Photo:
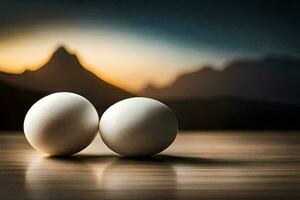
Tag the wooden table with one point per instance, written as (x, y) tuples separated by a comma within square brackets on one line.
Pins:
[(199, 165)]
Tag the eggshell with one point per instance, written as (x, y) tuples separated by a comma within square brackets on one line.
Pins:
[(62, 123), (138, 127)]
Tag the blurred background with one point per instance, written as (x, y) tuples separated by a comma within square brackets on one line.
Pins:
[(218, 64)]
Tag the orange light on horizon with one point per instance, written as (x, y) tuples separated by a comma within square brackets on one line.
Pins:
[(125, 60)]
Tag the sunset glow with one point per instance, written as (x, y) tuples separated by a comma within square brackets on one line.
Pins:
[(122, 58)]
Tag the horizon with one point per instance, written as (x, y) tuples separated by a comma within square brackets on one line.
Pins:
[(122, 83), (131, 43), (112, 70)]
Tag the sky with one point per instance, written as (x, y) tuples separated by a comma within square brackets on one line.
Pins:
[(132, 43)]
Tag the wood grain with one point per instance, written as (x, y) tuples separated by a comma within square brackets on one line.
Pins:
[(199, 165)]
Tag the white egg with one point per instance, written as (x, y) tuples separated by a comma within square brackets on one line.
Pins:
[(62, 123), (138, 127)]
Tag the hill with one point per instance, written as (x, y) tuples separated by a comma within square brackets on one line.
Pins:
[(271, 79)]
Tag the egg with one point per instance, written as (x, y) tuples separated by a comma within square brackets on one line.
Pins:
[(138, 127), (61, 123)]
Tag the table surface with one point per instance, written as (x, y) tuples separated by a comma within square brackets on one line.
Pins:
[(199, 165)]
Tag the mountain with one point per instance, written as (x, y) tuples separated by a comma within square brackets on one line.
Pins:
[(63, 72), (197, 98), (272, 79)]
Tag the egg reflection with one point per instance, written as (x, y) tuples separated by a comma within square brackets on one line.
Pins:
[(103, 177), (139, 179), (67, 178)]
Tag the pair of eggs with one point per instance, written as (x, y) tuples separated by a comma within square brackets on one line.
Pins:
[(65, 123)]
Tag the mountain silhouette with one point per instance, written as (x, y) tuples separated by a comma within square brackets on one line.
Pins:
[(206, 99), (64, 72), (272, 78)]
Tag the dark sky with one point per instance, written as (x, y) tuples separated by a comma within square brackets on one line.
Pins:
[(245, 26)]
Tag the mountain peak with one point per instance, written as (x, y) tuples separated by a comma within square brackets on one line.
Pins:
[(63, 58), (62, 51), (64, 72)]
